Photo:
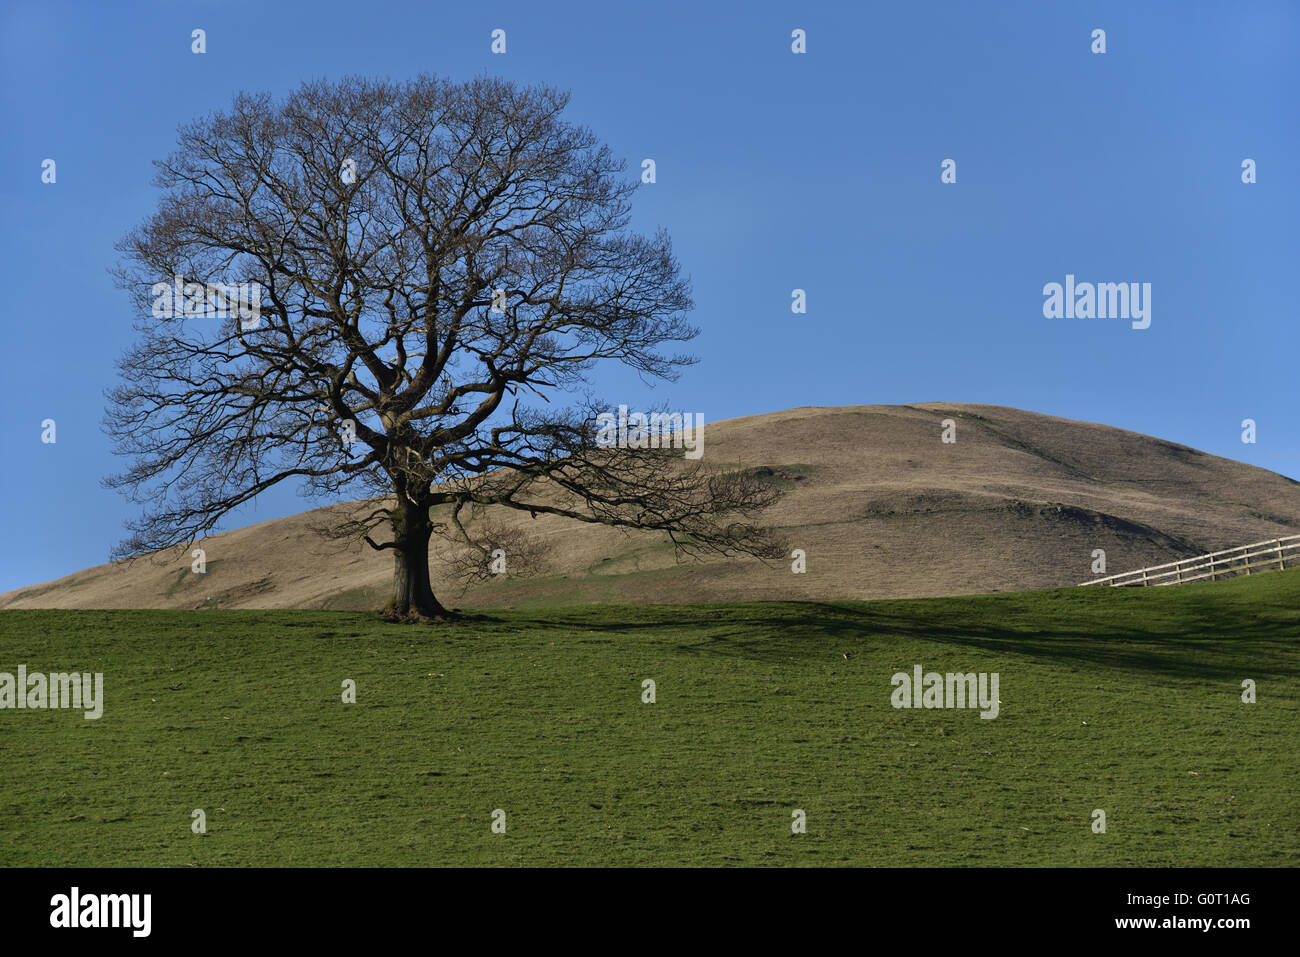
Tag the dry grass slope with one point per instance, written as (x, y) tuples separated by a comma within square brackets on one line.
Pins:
[(882, 508)]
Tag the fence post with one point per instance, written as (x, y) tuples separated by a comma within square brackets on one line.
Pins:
[(1178, 567), (1144, 578), (1281, 564), (1246, 552)]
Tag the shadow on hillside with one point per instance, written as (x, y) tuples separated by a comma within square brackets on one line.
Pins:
[(1223, 651), (1201, 639)]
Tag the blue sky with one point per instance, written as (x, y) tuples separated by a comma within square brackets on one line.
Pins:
[(775, 171)]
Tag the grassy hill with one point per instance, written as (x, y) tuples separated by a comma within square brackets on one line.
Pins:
[(1123, 700), (881, 506)]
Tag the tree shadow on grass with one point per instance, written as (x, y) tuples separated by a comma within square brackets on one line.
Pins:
[(1222, 651), (1201, 638)]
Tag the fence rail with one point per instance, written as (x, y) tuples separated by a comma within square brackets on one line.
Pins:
[(1272, 553)]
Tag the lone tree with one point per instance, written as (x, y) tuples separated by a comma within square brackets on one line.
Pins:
[(381, 287)]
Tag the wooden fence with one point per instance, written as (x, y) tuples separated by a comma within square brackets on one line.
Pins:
[(1273, 553)]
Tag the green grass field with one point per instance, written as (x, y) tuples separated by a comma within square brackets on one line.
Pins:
[(1123, 700)]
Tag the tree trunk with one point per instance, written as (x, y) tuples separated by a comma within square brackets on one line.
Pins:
[(412, 594)]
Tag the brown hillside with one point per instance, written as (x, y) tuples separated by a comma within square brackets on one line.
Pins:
[(880, 505)]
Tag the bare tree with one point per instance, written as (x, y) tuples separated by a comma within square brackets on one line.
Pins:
[(413, 272)]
